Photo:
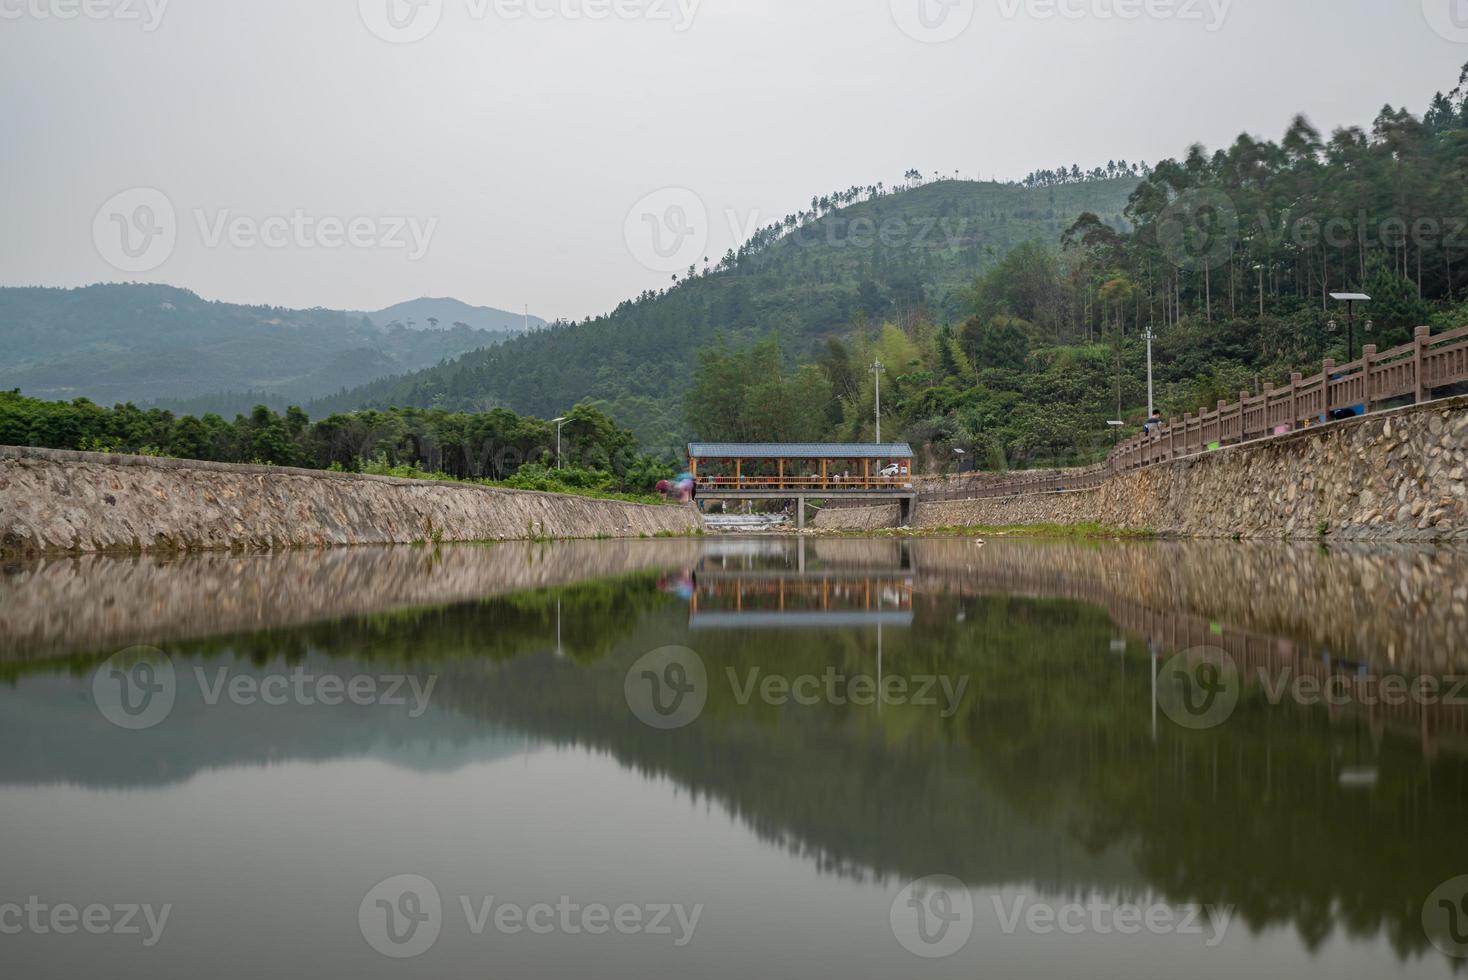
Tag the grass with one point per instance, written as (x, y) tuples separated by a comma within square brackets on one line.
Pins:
[(380, 467)]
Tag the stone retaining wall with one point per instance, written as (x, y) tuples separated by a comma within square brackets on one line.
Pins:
[(1394, 475), (58, 502)]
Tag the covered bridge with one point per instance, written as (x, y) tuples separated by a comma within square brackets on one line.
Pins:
[(799, 471)]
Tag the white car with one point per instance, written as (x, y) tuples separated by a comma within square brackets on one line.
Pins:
[(894, 470)]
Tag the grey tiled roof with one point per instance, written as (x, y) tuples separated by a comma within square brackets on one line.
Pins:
[(807, 450)]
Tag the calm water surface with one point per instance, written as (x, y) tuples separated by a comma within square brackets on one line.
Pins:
[(862, 758)]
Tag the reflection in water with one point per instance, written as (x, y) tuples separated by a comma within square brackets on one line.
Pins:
[(1055, 773)]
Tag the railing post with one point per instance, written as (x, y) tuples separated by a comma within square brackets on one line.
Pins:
[(1268, 406), (1419, 342), (1243, 416), (1171, 437), (1328, 368), (1295, 378), (1368, 355)]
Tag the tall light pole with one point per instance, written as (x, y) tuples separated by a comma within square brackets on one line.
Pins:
[(1260, 267), (877, 369), (1151, 391), (559, 423)]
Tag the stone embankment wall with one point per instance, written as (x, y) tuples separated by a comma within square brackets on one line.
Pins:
[(56, 502), (1395, 475)]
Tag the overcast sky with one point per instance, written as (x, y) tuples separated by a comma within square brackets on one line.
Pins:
[(498, 150)]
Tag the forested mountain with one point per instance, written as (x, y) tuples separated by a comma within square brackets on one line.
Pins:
[(1231, 259), (152, 343), (863, 255), (445, 314)]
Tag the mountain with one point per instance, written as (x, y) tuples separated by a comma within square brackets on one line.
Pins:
[(158, 344), (859, 256), (444, 314)]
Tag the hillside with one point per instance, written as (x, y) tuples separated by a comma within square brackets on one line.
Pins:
[(152, 343), (884, 256), (444, 314)]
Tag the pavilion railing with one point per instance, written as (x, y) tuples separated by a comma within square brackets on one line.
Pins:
[(1412, 370)]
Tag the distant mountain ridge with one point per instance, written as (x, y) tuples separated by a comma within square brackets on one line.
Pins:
[(152, 344), (430, 313)]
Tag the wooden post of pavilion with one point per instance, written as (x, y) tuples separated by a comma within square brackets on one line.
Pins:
[(866, 473), (782, 474)]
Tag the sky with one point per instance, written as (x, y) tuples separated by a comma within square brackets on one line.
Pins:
[(568, 154)]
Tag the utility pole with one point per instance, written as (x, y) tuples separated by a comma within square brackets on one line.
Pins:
[(1151, 391), (877, 369)]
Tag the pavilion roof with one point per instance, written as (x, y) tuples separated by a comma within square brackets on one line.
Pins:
[(798, 450)]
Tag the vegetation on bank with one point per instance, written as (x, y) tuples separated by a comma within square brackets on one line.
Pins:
[(600, 459)]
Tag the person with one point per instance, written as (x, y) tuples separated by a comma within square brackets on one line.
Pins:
[(1153, 424)]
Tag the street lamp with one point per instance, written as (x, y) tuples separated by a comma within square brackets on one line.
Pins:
[(1351, 299), (877, 370), (559, 423)]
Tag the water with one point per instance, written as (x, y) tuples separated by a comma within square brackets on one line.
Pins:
[(735, 758)]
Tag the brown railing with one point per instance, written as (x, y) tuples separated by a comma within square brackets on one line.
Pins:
[(1412, 370), (709, 486)]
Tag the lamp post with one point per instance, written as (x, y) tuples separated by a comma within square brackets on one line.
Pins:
[(559, 423), (1260, 267), (877, 369), (1351, 299)]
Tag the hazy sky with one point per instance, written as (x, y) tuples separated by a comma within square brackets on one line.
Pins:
[(501, 156)]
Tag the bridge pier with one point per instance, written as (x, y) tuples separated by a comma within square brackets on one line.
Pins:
[(800, 513)]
